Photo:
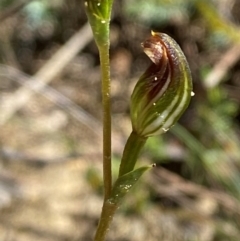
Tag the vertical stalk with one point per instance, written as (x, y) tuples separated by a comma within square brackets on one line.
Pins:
[(105, 72), (131, 152), (108, 211), (99, 13)]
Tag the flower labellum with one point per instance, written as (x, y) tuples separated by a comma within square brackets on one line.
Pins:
[(164, 91)]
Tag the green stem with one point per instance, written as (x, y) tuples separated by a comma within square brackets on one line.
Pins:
[(108, 211), (131, 152), (105, 71), (99, 13)]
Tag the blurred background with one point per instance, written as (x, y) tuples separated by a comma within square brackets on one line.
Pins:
[(50, 123)]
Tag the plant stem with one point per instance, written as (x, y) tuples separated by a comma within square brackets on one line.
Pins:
[(99, 13), (105, 71), (131, 152), (108, 211)]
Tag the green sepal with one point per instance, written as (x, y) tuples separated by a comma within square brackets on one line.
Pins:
[(125, 182)]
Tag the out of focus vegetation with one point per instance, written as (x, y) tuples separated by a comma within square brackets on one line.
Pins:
[(50, 146)]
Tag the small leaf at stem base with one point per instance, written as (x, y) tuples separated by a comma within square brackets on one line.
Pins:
[(125, 182)]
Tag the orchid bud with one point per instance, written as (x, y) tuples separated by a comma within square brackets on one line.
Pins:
[(163, 92)]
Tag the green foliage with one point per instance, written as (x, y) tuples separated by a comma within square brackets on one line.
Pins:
[(157, 11), (38, 12), (215, 153), (156, 148), (215, 22), (6, 3), (94, 179)]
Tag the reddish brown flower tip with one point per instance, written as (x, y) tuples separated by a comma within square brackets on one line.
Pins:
[(163, 92)]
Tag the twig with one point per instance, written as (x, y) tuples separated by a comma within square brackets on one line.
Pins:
[(180, 186), (12, 155), (48, 72), (56, 97), (222, 66)]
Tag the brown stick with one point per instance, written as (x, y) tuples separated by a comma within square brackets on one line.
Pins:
[(222, 66), (48, 72), (178, 185)]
